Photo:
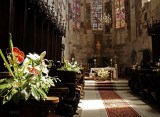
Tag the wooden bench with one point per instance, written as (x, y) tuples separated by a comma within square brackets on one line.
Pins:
[(74, 83), (30, 108)]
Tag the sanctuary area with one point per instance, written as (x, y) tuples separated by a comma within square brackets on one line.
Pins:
[(79, 58)]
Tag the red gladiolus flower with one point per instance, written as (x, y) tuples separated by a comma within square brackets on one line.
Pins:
[(33, 70), (19, 55), (131, 65)]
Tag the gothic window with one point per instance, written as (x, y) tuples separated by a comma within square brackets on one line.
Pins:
[(120, 13), (97, 14), (76, 14)]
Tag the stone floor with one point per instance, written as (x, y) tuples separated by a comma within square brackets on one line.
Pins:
[(91, 104)]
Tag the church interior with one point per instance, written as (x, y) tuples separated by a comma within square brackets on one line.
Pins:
[(79, 58)]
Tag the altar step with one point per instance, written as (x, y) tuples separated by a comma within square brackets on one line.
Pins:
[(92, 78), (99, 88), (107, 88), (105, 85)]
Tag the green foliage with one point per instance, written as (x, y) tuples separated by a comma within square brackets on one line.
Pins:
[(73, 66), (29, 78), (6, 63)]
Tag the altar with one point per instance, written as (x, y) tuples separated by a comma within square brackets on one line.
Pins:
[(114, 71)]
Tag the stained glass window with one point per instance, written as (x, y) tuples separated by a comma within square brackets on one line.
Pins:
[(76, 14), (120, 13), (97, 14)]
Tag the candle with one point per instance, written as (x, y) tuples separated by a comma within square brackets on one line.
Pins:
[(115, 66)]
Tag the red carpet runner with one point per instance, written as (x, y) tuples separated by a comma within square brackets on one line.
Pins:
[(114, 104)]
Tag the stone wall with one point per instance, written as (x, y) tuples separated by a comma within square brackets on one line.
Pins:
[(81, 42), (122, 42)]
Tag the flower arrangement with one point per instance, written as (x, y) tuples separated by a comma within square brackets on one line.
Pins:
[(158, 63), (135, 66), (73, 66), (29, 76), (102, 73), (157, 68)]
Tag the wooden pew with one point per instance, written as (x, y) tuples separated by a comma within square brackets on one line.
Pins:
[(146, 82), (30, 108), (69, 79)]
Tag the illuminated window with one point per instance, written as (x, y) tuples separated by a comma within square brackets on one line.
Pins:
[(76, 14), (97, 14), (120, 13)]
